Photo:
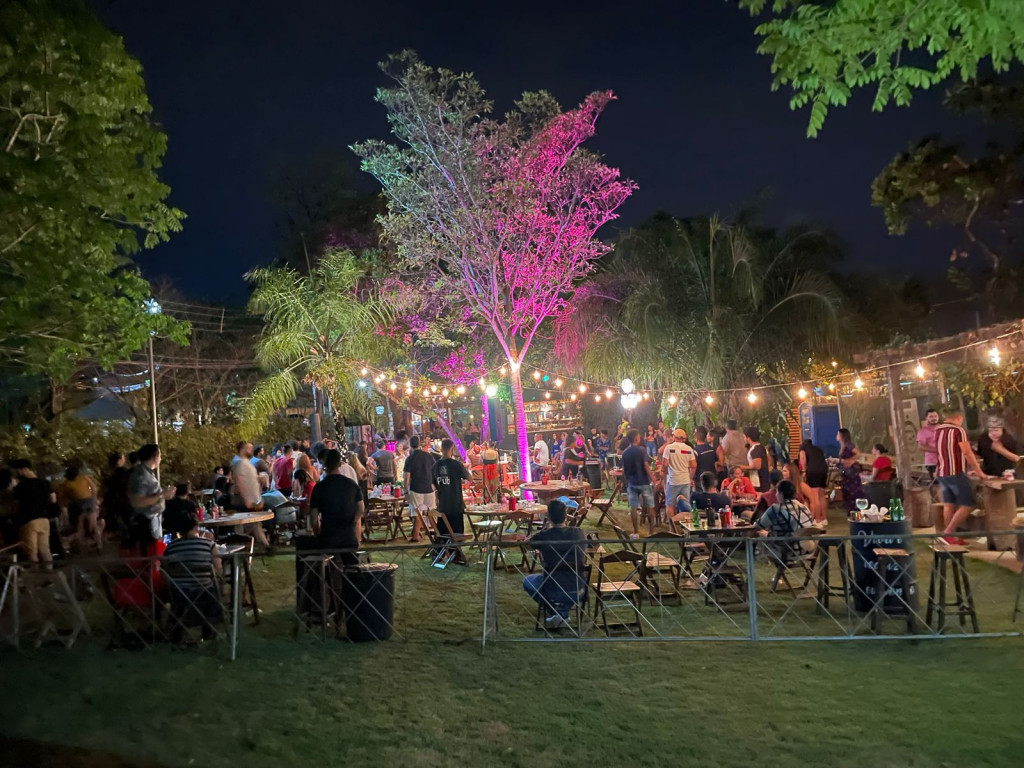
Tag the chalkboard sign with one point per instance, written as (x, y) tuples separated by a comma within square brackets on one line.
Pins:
[(865, 539)]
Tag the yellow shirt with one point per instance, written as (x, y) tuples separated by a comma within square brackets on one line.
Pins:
[(79, 489)]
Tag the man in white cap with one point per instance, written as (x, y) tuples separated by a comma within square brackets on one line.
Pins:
[(678, 464)]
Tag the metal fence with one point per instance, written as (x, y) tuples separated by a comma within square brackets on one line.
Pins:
[(726, 586), (733, 586)]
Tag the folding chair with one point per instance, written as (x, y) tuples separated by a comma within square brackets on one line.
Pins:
[(618, 593), (445, 545), (377, 519), (554, 596), (196, 601), (484, 528), (657, 564), (247, 544), (788, 557)]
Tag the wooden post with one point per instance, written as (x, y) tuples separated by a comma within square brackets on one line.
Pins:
[(902, 465)]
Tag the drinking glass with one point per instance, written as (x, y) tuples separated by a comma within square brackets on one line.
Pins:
[(863, 504)]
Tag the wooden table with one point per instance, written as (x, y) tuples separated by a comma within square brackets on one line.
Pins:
[(238, 518), (393, 506), (617, 488), (555, 488), (1000, 501), (722, 543)]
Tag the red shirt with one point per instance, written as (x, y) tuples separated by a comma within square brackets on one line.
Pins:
[(740, 486), (283, 469), (948, 438), (884, 466)]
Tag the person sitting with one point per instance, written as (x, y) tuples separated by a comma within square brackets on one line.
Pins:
[(770, 496), (881, 468), (709, 497), (191, 567), (562, 553), (740, 489), (179, 511), (783, 519)]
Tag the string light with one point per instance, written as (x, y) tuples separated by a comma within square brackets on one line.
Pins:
[(831, 386), (392, 386), (801, 393), (514, 365), (502, 370), (919, 370), (647, 395), (858, 383), (751, 398), (572, 396), (835, 364), (363, 371), (536, 375), (993, 355), (609, 394), (558, 383), (426, 392), (597, 398), (709, 399), (444, 392), (460, 389), (547, 395), (433, 387), (672, 399), (583, 389)]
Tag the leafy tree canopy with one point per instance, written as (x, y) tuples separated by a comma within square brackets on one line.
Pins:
[(79, 192), (825, 50)]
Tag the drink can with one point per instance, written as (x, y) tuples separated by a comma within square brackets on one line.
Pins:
[(397, 491), (511, 503), (727, 517)]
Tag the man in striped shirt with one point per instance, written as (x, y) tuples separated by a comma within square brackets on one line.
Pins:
[(954, 454)]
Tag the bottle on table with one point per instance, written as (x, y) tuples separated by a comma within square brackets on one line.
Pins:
[(696, 518)]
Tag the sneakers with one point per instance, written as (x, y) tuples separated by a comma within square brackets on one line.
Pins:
[(555, 621), (951, 541), (634, 535)]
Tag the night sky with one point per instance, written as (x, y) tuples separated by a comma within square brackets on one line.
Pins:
[(242, 88)]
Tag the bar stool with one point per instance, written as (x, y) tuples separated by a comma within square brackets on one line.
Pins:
[(898, 560), (963, 597), (831, 549)]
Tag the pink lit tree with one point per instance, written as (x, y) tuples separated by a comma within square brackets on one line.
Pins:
[(505, 211)]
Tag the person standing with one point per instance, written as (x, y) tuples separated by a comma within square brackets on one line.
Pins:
[(541, 457), (926, 440), (419, 483), (246, 494), (734, 447), (704, 452), (259, 461), (850, 470), (636, 473), (447, 476), (757, 459), (382, 464), (954, 454), (77, 494), (815, 469), (35, 498), (283, 469), (147, 498), (336, 510), (603, 446), (574, 458), (678, 462)]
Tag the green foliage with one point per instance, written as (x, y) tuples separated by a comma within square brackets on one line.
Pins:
[(80, 193), (318, 329), (985, 386), (703, 305), (825, 50)]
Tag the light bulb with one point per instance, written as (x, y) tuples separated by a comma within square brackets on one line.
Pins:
[(831, 386), (392, 386), (460, 389), (672, 399), (647, 395), (572, 397), (583, 389), (919, 370), (609, 394), (835, 364), (993, 355), (502, 370), (547, 395), (363, 371), (444, 392), (426, 392), (514, 365), (597, 398), (709, 399), (801, 393), (558, 382), (858, 383), (751, 398), (536, 375)]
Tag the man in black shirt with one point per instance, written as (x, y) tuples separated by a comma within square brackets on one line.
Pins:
[(419, 483), (448, 474), (562, 553), (709, 497), (705, 452), (336, 508), (35, 499), (639, 482), (179, 511)]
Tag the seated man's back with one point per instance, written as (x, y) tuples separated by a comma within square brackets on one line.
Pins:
[(560, 548)]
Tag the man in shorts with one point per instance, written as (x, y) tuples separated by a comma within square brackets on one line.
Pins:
[(953, 453), (636, 474), (419, 483)]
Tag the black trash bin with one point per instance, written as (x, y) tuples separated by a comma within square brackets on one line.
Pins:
[(368, 598), (594, 474)]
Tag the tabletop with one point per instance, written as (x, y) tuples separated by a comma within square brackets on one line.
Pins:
[(998, 484), (556, 485), (494, 510), (740, 529), (238, 518)]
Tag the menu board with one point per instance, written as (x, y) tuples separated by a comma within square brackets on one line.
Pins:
[(865, 539)]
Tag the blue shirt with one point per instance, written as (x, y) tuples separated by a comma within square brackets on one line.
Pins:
[(634, 462), (603, 445)]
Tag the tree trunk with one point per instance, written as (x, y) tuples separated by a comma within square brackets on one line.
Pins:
[(519, 412), (314, 420), (485, 419), (451, 433)]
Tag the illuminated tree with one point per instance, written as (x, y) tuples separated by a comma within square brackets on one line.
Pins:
[(505, 211)]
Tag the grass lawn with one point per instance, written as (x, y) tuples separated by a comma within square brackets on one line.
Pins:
[(428, 701)]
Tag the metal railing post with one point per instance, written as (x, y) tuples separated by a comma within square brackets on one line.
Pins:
[(751, 588), (236, 602), (488, 564)]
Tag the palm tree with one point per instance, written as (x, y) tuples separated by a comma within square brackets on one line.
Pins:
[(318, 329), (703, 305)]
